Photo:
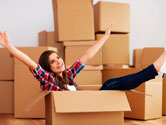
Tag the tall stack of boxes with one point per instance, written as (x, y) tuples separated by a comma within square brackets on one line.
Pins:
[(74, 34), (6, 82), (116, 49), (115, 54)]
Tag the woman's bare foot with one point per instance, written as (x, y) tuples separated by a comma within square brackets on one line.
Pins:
[(160, 63)]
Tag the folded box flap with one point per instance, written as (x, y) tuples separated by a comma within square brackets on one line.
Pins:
[(90, 101)]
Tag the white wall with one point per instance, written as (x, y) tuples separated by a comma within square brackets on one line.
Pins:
[(23, 19)]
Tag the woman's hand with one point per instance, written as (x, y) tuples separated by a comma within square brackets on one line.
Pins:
[(108, 31), (4, 39)]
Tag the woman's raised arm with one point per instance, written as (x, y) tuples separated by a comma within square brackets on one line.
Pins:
[(94, 48), (5, 42)]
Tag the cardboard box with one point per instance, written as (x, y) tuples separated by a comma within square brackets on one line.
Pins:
[(74, 51), (48, 39), (137, 57), (26, 86), (146, 107), (150, 55), (147, 60), (6, 97), (142, 106), (86, 108), (73, 20), (116, 49), (116, 13), (6, 65), (164, 97), (90, 75)]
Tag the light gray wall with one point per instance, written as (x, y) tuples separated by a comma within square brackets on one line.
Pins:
[(23, 19)]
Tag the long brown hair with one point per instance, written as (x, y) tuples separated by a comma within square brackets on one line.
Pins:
[(62, 82)]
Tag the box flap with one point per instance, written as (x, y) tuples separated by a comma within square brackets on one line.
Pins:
[(90, 101)]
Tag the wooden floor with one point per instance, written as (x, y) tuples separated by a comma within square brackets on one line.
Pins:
[(10, 120)]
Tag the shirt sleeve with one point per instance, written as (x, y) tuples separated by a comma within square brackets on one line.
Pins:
[(46, 79), (75, 69)]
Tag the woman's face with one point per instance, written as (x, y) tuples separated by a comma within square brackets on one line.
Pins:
[(56, 64)]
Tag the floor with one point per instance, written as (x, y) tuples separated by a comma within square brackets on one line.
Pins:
[(10, 120)]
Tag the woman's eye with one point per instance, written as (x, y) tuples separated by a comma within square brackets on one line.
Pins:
[(58, 57), (52, 61)]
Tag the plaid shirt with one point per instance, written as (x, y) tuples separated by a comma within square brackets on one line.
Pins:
[(47, 79)]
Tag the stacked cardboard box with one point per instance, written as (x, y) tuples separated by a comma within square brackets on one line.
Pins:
[(148, 57), (116, 48), (137, 55), (73, 20), (6, 82)]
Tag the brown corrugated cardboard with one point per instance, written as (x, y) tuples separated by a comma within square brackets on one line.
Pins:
[(149, 55), (86, 108), (116, 13), (116, 49), (164, 97), (90, 75), (6, 97), (142, 106), (90, 87), (137, 56), (74, 50), (109, 72), (26, 86), (146, 107), (48, 39), (73, 20), (6, 65)]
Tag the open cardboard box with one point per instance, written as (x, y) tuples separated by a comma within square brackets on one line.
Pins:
[(86, 107)]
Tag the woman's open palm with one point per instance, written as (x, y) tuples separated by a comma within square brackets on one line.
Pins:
[(108, 30), (3, 38)]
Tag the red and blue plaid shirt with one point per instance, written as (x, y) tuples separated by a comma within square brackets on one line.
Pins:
[(47, 79)]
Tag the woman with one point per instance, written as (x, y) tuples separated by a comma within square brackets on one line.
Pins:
[(52, 74)]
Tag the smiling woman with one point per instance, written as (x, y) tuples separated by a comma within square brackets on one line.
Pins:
[(53, 75)]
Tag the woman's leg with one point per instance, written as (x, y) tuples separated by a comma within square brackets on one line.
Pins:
[(130, 81)]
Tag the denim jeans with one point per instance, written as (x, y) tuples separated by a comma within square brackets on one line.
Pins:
[(131, 81)]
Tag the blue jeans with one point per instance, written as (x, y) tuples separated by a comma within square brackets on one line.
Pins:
[(131, 81)]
